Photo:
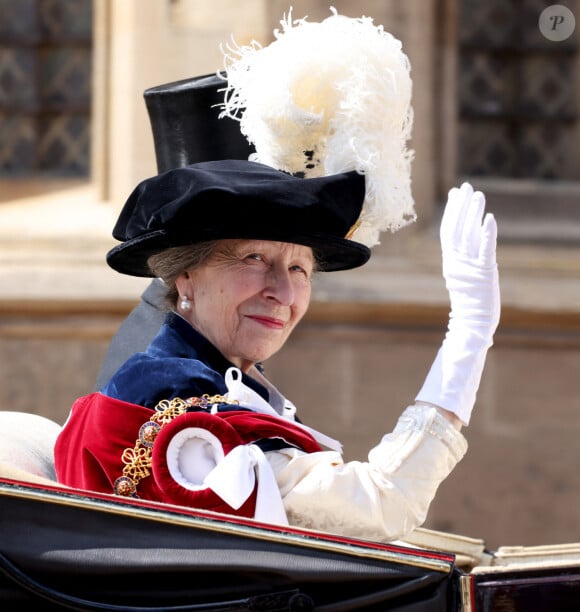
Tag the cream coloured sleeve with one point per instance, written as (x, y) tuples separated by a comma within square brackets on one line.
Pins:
[(382, 499)]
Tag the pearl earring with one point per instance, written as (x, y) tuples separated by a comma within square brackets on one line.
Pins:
[(184, 303)]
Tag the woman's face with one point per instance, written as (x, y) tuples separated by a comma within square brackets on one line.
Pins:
[(248, 296)]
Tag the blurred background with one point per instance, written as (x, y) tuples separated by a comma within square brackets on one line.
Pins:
[(497, 102)]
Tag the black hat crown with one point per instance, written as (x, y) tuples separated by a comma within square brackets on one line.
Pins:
[(186, 126)]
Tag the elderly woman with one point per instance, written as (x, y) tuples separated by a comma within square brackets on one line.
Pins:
[(194, 421)]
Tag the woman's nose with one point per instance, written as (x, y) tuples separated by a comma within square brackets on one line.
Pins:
[(279, 287)]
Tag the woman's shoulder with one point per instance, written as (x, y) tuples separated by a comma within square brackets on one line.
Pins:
[(146, 380)]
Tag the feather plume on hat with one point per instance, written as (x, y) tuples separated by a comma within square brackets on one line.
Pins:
[(328, 97)]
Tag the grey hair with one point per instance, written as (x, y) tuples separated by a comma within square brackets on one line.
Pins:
[(169, 264)]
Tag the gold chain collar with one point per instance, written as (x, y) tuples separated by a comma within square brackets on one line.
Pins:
[(137, 460)]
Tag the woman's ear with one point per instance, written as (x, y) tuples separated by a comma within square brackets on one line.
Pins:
[(183, 285)]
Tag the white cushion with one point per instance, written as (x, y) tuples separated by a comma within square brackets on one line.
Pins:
[(27, 443)]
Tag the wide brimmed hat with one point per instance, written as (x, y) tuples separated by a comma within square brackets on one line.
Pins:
[(186, 124), (240, 199)]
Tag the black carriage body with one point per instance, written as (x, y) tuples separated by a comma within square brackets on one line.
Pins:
[(62, 549)]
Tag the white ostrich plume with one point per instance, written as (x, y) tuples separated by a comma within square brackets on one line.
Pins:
[(329, 97)]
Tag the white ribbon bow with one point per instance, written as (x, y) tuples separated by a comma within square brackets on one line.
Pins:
[(196, 461)]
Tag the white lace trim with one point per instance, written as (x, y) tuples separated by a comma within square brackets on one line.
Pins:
[(428, 420)]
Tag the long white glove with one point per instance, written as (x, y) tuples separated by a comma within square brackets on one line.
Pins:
[(470, 271)]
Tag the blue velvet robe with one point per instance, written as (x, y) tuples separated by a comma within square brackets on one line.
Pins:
[(179, 362)]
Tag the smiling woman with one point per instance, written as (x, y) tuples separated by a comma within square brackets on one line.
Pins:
[(260, 289), (192, 419), (211, 430)]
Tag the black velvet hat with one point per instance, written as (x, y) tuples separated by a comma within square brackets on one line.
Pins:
[(185, 123), (240, 199)]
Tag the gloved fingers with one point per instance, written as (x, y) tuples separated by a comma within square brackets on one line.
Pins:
[(448, 219), (487, 250), (453, 220), (471, 236)]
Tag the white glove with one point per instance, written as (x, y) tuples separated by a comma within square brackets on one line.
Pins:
[(470, 271)]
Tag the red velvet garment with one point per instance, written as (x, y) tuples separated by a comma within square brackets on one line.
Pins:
[(99, 429)]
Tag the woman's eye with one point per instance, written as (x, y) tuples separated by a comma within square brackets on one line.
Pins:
[(254, 256), (300, 269)]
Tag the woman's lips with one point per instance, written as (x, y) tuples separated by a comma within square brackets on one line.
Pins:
[(270, 322)]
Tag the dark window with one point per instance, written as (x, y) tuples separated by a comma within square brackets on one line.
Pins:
[(518, 93), (45, 87)]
